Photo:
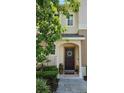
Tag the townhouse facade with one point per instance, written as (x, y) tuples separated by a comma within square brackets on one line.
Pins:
[(71, 50)]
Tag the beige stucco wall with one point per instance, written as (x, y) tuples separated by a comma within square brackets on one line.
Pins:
[(61, 54), (52, 60), (70, 29), (79, 18), (84, 53), (82, 15), (77, 55), (84, 46)]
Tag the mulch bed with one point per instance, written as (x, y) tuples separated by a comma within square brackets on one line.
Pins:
[(53, 84)]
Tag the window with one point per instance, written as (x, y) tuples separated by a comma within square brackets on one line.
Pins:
[(70, 20), (53, 49)]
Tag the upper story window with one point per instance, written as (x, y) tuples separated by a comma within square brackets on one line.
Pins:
[(70, 20)]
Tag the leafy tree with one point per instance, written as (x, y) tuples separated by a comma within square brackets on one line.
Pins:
[(48, 25)]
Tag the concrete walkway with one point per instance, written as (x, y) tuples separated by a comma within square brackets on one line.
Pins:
[(72, 86)]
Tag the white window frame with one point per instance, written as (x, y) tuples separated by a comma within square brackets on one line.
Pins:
[(67, 21)]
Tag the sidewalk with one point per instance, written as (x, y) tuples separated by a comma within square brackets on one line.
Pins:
[(72, 86)]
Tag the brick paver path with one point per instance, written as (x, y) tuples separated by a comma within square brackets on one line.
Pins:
[(72, 86)]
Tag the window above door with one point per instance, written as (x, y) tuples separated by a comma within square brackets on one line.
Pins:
[(70, 20)]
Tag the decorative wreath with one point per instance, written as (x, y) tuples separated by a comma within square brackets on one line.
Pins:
[(69, 53)]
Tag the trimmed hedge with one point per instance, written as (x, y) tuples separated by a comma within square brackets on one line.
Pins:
[(50, 68), (49, 74), (38, 74)]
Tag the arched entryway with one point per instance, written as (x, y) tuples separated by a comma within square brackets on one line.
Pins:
[(69, 54)]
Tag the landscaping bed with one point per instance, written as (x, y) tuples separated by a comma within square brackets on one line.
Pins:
[(53, 84), (49, 74)]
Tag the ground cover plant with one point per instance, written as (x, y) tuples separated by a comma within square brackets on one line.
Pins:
[(41, 86)]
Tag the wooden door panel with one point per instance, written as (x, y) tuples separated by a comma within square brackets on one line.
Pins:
[(69, 58)]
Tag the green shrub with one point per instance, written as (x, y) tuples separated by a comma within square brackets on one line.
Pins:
[(50, 68), (41, 86), (38, 74), (49, 74)]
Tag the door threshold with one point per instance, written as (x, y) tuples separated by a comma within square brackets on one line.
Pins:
[(69, 71)]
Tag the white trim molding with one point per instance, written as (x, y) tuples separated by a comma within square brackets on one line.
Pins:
[(73, 38)]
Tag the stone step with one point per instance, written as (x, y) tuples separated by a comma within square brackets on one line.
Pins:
[(69, 71)]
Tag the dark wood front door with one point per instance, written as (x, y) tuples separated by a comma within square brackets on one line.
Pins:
[(69, 58)]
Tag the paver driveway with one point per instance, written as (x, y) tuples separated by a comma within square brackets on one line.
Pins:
[(72, 86)]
